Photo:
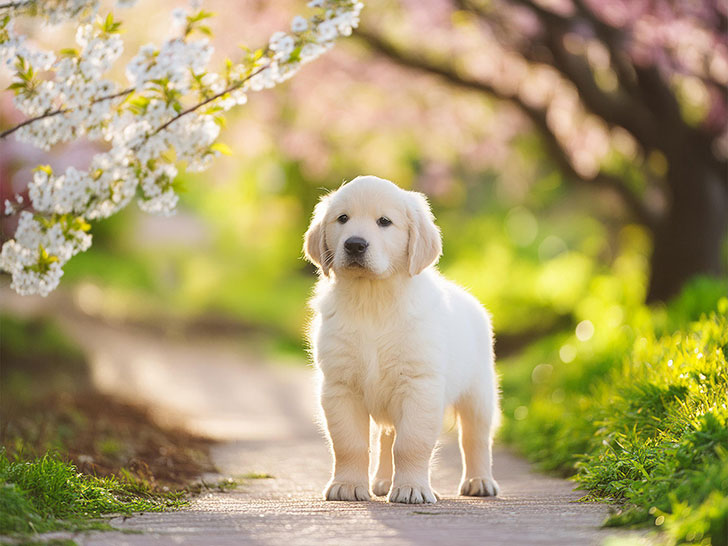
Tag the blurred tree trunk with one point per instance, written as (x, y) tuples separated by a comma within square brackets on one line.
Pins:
[(688, 239)]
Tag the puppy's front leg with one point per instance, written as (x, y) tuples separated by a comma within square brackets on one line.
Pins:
[(417, 428), (347, 422)]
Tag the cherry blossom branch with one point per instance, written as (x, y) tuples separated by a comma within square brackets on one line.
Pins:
[(18, 4), (51, 113), (167, 83), (216, 96)]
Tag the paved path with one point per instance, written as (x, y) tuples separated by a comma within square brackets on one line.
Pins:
[(264, 415)]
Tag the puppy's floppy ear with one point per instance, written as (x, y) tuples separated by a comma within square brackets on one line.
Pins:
[(425, 243), (314, 242)]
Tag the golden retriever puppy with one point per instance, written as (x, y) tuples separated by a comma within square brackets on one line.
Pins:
[(396, 342)]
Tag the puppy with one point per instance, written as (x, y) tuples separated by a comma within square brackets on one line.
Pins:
[(396, 342)]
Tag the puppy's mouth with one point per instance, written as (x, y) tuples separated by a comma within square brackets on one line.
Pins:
[(356, 263)]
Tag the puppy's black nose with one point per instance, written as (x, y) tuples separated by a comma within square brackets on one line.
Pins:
[(355, 246)]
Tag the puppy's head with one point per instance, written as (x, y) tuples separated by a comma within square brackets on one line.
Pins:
[(372, 228)]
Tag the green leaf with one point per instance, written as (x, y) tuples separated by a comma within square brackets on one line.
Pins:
[(213, 110), (295, 55), (110, 26), (20, 63), (45, 168), (222, 148), (45, 259), (80, 224), (200, 15), (138, 103)]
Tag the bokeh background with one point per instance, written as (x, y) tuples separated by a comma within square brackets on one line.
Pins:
[(550, 209), (574, 153)]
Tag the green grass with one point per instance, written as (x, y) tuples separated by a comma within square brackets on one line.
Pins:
[(48, 494), (639, 415), (256, 476)]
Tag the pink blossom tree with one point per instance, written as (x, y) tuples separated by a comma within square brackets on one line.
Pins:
[(627, 95)]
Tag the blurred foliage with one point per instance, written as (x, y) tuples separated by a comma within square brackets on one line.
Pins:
[(530, 262), (36, 349), (638, 411), (537, 250)]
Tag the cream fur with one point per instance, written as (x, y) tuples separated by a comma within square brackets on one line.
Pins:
[(398, 343)]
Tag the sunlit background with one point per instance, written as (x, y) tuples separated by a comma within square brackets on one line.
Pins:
[(579, 183), (539, 251), (543, 244)]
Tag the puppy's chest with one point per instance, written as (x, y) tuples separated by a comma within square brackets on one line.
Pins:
[(370, 356)]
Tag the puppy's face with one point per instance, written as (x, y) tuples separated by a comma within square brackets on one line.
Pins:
[(367, 231), (371, 228)]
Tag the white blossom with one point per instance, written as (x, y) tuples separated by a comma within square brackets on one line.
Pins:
[(168, 110), (61, 194), (327, 31), (179, 16), (299, 24), (23, 257), (163, 204), (13, 207), (283, 45)]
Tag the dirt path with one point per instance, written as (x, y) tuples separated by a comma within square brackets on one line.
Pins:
[(264, 415)]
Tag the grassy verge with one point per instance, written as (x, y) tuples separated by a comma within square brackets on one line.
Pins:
[(637, 412), (49, 494)]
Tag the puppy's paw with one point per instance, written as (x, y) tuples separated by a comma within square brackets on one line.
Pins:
[(412, 494), (345, 491), (380, 487), (479, 487)]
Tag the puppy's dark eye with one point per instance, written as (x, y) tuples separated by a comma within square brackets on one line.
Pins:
[(342, 219), (384, 222)]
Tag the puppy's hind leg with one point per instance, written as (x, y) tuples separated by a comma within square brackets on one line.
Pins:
[(383, 476), (347, 422), (478, 420)]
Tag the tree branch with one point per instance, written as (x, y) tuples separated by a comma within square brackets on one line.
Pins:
[(613, 40), (616, 108), (648, 89), (644, 104), (18, 4), (538, 117), (191, 109), (51, 113)]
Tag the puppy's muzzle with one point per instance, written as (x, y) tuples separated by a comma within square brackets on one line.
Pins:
[(355, 248)]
